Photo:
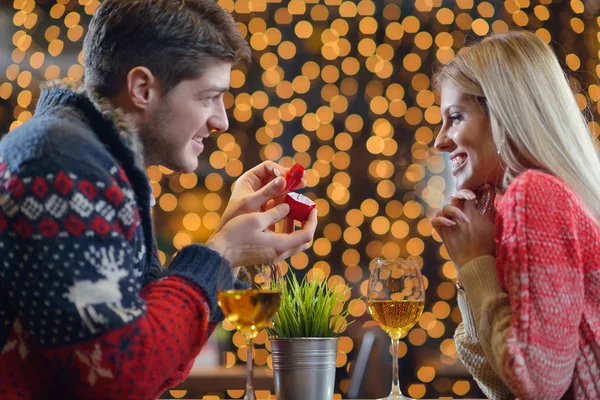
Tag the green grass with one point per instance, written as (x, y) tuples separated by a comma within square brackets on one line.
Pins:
[(310, 309)]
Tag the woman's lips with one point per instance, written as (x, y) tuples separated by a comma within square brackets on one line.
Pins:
[(458, 163)]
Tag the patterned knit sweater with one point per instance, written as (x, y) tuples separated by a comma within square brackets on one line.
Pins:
[(531, 316), (86, 311)]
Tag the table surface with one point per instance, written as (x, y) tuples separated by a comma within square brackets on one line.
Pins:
[(222, 379)]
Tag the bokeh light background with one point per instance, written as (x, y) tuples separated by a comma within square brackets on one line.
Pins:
[(343, 88)]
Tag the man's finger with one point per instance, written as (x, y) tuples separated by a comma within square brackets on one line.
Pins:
[(257, 199), (263, 169), (293, 251), (268, 205), (312, 220), (289, 225), (286, 241), (263, 174), (274, 215), (267, 170)]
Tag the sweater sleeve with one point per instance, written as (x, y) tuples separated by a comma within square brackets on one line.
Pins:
[(72, 273), (529, 334), (471, 354)]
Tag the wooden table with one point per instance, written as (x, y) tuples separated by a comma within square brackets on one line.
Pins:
[(222, 379)]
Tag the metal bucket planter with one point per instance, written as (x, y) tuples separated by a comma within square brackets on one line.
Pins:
[(304, 368)]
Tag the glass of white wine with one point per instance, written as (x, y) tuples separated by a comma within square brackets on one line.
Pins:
[(250, 309), (396, 297)]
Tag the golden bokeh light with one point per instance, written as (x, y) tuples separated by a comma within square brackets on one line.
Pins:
[(343, 88)]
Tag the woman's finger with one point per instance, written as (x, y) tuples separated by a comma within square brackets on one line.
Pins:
[(455, 201), (465, 194), (442, 222), (459, 198), (455, 213)]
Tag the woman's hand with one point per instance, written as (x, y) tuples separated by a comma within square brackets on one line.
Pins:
[(466, 225)]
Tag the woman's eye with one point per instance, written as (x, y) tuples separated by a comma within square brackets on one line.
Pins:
[(455, 117)]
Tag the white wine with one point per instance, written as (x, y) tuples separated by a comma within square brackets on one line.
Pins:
[(249, 311), (396, 317)]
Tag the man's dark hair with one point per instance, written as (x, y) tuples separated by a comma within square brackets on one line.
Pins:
[(175, 39)]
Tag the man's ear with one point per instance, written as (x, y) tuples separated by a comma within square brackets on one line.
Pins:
[(143, 88)]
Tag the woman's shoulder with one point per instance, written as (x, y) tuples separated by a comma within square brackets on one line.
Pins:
[(538, 193), (538, 186)]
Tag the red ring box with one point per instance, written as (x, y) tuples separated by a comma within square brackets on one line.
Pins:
[(300, 205), (293, 177)]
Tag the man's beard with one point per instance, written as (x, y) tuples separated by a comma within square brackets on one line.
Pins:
[(153, 135)]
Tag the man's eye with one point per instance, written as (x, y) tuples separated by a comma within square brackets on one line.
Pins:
[(210, 98)]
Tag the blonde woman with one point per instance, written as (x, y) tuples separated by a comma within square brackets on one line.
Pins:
[(528, 271)]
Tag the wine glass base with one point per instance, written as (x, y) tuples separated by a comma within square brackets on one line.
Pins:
[(395, 397)]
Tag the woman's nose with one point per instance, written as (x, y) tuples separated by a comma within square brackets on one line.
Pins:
[(443, 143)]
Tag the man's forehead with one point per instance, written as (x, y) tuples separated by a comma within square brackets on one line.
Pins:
[(213, 77)]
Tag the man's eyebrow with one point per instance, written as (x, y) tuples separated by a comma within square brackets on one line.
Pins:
[(218, 89)]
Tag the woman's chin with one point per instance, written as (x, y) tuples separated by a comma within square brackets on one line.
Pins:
[(468, 185)]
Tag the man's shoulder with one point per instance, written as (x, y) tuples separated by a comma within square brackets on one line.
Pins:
[(51, 136)]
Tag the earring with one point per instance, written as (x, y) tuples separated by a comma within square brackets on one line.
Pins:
[(498, 151), (483, 203)]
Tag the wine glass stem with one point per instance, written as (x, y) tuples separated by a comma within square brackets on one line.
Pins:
[(249, 369), (395, 374)]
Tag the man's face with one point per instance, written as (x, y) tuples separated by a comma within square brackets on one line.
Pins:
[(181, 120)]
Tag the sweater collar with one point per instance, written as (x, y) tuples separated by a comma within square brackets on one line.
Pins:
[(115, 130), (57, 93)]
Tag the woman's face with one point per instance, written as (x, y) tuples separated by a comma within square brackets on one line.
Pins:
[(467, 136)]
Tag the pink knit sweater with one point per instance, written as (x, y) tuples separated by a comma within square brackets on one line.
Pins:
[(531, 316)]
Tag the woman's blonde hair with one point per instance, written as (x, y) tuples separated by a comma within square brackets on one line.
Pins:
[(534, 117)]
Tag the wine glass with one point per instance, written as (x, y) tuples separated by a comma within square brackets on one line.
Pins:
[(396, 297), (250, 308)]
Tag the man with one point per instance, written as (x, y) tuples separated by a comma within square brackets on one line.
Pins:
[(86, 310)]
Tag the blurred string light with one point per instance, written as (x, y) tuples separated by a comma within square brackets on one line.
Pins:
[(343, 88)]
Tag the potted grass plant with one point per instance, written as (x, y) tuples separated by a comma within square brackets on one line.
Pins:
[(304, 338)]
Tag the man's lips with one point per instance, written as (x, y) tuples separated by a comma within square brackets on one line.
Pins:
[(197, 141)]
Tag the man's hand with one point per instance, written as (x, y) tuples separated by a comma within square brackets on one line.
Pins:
[(254, 189), (246, 239)]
